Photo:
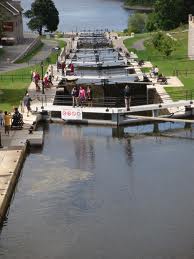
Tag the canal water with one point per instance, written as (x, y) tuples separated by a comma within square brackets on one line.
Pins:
[(88, 14), (93, 193)]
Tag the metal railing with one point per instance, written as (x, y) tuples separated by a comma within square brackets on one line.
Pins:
[(183, 72), (15, 77)]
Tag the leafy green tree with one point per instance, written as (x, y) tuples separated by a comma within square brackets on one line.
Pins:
[(164, 43), (43, 14), (151, 23), (140, 2), (137, 23), (168, 13)]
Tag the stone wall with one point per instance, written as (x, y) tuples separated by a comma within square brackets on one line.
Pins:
[(191, 37)]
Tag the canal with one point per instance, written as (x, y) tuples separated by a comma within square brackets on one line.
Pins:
[(88, 14), (91, 194)]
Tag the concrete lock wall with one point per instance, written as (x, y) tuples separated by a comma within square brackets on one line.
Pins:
[(139, 94)]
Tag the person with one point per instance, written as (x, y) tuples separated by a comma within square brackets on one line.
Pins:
[(27, 103), (58, 65), (46, 81), (7, 122), (36, 81), (1, 118), (75, 94), (127, 96), (63, 69), (89, 94), (161, 79), (72, 68), (145, 78), (33, 75), (156, 71), (17, 119), (49, 74), (152, 71), (82, 95)]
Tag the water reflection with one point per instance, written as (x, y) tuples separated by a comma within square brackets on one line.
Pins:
[(84, 148), (90, 195)]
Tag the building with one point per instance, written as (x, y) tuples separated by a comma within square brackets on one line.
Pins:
[(13, 24), (191, 37)]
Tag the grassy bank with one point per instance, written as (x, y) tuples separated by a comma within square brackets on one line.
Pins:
[(13, 84), (168, 65), (31, 54)]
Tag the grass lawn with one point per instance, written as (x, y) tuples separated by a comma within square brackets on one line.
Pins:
[(13, 84), (168, 65)]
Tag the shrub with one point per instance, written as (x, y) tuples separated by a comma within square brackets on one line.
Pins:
[(137, 23)]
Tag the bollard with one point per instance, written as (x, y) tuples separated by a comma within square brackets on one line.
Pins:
[(1, 146)]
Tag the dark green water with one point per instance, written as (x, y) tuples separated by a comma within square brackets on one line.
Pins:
[(90, 195)]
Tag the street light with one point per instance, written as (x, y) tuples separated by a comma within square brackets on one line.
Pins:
[(42, 67), (42, 70)]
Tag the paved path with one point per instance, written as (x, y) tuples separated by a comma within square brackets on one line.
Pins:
[(139, 45), (12, 52), (41, 55)]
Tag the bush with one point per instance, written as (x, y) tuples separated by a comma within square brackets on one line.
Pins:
[(151, 23), (137, 23), (164, 43)]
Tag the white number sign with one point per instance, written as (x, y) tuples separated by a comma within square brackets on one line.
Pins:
[(71, 114)]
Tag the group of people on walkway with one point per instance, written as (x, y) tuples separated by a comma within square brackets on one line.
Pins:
[(66, 69), (8, 120), (47, 80), (82, 96)]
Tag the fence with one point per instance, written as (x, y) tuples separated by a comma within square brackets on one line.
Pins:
[(19, 77), (183, 72)]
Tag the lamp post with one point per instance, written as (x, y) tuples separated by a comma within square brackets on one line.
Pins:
[(42, 70), (42, 76)]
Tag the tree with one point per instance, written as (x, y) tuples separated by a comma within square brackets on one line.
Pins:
[(189, 9), (43, 14), (169, 13), (137, 23), (151, 23), (164, 43)]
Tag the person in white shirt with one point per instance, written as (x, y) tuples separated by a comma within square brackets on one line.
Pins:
[(156, 71)]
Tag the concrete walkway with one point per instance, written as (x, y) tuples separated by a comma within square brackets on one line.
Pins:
[(139, 45)]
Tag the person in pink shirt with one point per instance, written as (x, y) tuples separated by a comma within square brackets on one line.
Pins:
[(82, 95)]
